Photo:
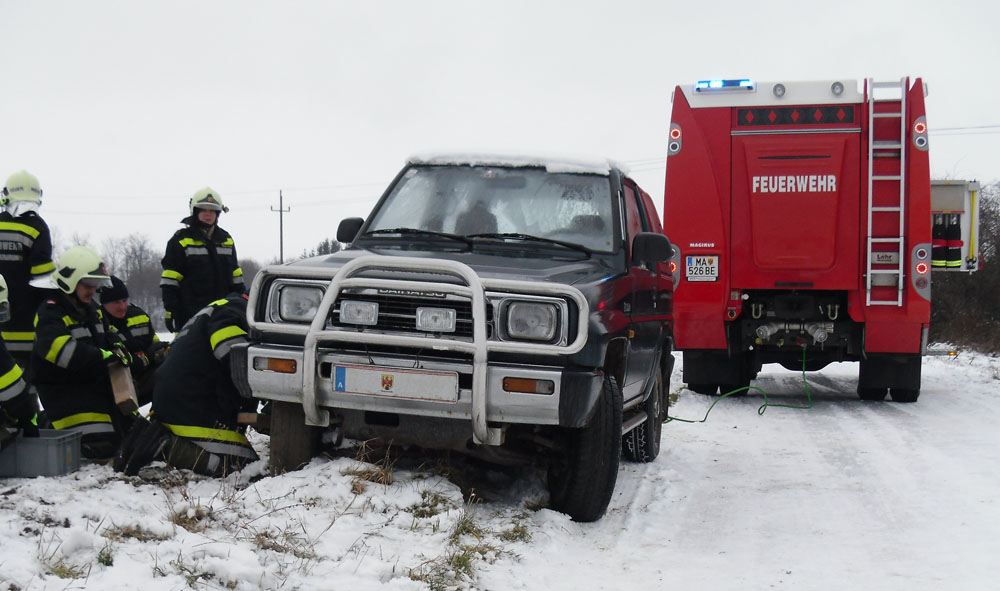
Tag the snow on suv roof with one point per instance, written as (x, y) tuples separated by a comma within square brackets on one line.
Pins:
[(571, 164)]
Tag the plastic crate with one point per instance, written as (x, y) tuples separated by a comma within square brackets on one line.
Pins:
[(52, 453)]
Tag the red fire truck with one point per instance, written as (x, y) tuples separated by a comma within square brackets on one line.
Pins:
[(802, 213)]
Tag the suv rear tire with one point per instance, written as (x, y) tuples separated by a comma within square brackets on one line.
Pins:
[(582, 479)]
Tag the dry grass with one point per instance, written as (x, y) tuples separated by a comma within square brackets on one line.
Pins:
[(122, 533), (431, 503)]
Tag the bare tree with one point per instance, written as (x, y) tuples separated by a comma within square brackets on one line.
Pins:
[(134, 261)]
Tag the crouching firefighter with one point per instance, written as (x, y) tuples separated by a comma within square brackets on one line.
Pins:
[(17, 405), (135, 330), (71, 353), (193, 423)]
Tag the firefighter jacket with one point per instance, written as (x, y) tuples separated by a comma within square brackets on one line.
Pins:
[(25, 254), (68, 367), (14, 397), (198, 270), (135, 329), (194, 396)]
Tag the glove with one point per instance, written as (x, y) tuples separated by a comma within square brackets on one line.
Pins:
[(170, 323), (140, 361), (121, 356), (22, 409), (160, 353), (28, 428)]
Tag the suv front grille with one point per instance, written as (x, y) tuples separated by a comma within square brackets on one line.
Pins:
[(398, 314)]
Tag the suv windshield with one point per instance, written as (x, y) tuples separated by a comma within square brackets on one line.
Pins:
[(471, 200)]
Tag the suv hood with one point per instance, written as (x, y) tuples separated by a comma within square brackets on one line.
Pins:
[(493, 266)]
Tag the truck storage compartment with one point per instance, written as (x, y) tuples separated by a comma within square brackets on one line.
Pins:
[(795, 210)]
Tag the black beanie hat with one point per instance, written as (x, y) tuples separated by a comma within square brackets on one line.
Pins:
[(116, 292)]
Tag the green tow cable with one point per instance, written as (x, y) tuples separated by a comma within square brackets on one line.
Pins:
[(763, 407)]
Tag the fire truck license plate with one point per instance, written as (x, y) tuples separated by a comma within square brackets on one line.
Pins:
[(702, 268), (440, 386)]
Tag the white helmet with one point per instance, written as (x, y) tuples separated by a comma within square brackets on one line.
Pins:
[(77, 263), (206, 198), (22, 186), (4, 301)]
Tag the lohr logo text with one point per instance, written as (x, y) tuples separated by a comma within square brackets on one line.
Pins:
[(805, 183)]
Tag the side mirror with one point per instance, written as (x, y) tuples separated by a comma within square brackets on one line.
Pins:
[(651, 248), (347, 231)]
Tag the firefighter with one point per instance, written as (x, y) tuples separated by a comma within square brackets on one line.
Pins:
[(200, 264), (193, 421), (135, 329), (939, 244), (953, 241), (25, 255), (71, 353), (17, 404)]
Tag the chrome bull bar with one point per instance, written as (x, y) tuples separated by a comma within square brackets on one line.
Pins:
[(474, 287)]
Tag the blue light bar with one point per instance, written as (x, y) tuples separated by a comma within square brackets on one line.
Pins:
[(733, 84)]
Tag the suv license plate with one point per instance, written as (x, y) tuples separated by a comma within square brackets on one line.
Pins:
[(702, 268), (439, 386)]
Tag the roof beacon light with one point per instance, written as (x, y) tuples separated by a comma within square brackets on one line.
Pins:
[(733, 84)]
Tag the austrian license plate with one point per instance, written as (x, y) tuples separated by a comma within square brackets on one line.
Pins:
[(417, 384), (702, 268)]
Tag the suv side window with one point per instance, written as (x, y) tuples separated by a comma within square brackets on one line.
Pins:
[(635, 222)]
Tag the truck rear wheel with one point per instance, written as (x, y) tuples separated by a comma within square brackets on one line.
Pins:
[(709, 389), (292, 441), (872, 394), (582, 479), (904, 394), (642, 444)]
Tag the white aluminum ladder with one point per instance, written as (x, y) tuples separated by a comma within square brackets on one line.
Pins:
[(890, 148)]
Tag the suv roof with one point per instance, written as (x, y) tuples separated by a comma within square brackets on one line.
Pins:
[(551, 163)]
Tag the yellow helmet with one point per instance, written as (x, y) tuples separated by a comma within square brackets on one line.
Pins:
[(76, 264), (4, 301), (206, 198), (22, 186)]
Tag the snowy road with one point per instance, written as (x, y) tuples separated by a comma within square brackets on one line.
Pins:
[(848, 494)]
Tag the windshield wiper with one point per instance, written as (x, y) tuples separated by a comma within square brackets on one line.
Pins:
[(419, 232), (530, 238)]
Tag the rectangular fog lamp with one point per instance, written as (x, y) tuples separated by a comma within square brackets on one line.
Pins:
[(352, 312), (436, 319)]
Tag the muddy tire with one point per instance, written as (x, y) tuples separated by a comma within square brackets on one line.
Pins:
[(292, 441), (642, 444), (582, 479)]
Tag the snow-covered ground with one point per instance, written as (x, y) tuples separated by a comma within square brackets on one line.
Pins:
[(848, 494)]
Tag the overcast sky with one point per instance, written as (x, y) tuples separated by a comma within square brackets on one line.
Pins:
[(124, 109)]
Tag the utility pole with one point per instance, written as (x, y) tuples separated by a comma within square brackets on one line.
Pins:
[(281, 226)]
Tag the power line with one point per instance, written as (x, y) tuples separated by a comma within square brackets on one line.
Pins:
[(241, 192), (933, 129)]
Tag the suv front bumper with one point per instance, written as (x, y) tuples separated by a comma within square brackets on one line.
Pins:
[(483, 400), (569, 404)]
